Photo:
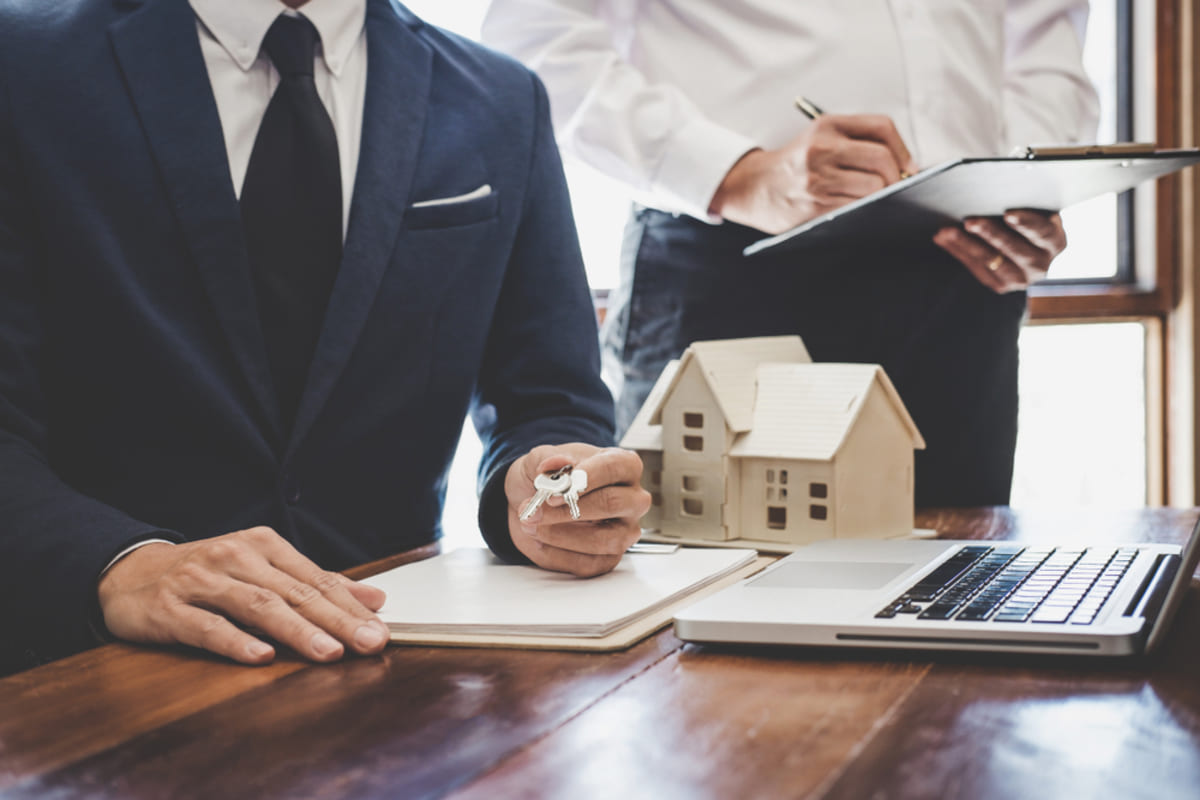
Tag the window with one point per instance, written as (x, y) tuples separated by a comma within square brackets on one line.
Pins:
[(694, 444), (818, 490), (777, 518), (693, 419), (1094, 361), (818, 511), (692, 507), (691, 483), (776, 491)]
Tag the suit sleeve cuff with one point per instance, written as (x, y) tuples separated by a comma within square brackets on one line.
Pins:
[(493, 519)]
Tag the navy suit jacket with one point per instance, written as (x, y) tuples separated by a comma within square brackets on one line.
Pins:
[(135, 394)]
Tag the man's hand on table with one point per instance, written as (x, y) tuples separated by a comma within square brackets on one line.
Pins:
[(610, 509), (1006, 254), (193, 594), (836, 159)]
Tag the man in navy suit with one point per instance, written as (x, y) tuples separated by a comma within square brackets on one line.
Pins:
[(185, 455)]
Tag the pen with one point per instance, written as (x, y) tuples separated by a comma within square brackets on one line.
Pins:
[(812, 111)]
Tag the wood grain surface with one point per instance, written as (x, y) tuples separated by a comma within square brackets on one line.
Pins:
[(660, 720)]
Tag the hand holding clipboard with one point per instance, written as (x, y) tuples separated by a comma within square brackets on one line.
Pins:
[(1005, 254)]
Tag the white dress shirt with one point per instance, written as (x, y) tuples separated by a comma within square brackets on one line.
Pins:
[(243, 78), (665, 96)]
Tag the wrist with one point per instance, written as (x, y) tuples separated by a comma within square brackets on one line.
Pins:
[(737, 184)]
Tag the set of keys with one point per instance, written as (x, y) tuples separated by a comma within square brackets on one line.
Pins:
[(566, 482)]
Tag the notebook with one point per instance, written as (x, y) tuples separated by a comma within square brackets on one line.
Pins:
[(1052, 179), (1097, 600), (469, 597)]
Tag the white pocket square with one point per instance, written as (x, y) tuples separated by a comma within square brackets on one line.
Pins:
[(482, 191)]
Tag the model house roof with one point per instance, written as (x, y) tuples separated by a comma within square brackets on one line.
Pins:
[(729, 367), (641, 434), (805, 411), (779, 403)]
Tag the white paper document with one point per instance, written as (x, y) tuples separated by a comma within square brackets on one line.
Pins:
[(470, 591)]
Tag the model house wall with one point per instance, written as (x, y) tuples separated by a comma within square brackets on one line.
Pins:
[(748, 441)]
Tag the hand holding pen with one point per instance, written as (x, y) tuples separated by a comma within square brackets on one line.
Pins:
[(1004, 254), (837, 159)]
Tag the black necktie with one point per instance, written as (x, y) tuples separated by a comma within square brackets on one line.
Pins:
[(292, 211)]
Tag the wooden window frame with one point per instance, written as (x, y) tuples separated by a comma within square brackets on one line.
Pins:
[(1153, 293)]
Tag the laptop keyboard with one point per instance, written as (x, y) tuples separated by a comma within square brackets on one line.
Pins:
[(1014, 584)]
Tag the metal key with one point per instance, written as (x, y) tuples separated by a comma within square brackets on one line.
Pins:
[(578, 486), (547, 484)]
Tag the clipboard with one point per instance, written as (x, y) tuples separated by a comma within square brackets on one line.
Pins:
[(1048, 179)]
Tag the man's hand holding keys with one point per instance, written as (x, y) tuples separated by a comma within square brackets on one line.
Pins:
[(610, 504)]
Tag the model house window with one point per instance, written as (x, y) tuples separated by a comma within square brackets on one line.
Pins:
[(776, 517), (694, 444), (693, 419), (774, 491), (818, 490), (691, 501), (655, 477), (818, 511)]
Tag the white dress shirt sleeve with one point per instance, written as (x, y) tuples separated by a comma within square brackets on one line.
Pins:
[(649, 136), (1048, 98)]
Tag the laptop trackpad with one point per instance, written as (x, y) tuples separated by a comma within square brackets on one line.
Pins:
[(830, 575)]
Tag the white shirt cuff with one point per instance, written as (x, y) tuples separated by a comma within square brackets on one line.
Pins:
[(700, 156), (127, 551)]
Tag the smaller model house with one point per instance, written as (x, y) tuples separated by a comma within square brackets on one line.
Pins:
[(747, 441)]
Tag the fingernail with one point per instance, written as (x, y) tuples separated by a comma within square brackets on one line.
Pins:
[(257, 650), (369, 636), (323, 644)]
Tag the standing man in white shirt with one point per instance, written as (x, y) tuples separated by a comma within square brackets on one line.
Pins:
[(691, 105)]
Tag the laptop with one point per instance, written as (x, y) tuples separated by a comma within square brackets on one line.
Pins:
[(1090, 600)]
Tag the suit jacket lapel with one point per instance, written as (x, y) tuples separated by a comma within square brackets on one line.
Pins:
[(399, 73), (159, 53)]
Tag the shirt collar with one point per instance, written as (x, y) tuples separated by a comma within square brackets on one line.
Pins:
[(239, 26)]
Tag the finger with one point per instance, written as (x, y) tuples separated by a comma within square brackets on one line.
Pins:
[(1044, 230), (588, 538), (583, 565), (262, 559), (332, 586), (1031, 260), (612, 466), (613, 502), (878, 128), (370, 596), (836, 187), (869, 157), (213, 632), (359, 629), (267, 611), (974, 255)]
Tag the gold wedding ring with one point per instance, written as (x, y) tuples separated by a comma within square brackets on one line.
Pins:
[(995, 263)]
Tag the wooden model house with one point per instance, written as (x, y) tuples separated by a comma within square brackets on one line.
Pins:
[(747, 441)]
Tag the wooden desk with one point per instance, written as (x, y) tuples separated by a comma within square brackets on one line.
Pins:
[(661, 720)]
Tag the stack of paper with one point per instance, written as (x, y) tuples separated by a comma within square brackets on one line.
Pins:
[(471, 592)]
